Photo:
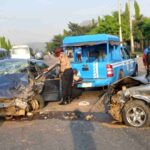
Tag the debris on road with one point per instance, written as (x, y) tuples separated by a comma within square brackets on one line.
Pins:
[(89, 117), (84, 103)]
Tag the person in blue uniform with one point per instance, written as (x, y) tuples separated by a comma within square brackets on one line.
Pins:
[(146, 60)]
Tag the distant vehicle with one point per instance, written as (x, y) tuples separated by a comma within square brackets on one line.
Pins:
[(100, 60), (39, 55), (21, 52), (4, 53)]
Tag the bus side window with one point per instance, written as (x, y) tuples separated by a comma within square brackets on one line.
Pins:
[(78, 54), (101, 55), (123, 55), (127, 53)]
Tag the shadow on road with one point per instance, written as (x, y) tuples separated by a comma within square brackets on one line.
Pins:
[(82, 134)]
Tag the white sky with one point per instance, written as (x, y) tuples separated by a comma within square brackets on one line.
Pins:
[(24, 21)]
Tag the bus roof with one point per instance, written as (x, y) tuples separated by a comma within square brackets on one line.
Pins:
[(20, 46), (89, 39)]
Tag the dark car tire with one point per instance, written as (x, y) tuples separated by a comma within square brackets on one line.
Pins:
[(40, 100), (138, 110), (135, 71)]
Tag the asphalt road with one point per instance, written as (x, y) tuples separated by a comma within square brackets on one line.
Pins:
[(57, 134), (71, 135)]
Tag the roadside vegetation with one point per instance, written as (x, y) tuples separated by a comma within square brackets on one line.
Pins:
[(4, 43), (109, 25)]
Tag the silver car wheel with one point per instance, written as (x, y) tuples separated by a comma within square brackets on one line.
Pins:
[(136, 116)]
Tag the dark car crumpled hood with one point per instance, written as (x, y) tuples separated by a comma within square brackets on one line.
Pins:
[(10, 83)]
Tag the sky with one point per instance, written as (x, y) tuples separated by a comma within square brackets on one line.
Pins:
[(24, 21)]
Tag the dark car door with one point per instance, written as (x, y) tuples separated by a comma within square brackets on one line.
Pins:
[(52, 86)]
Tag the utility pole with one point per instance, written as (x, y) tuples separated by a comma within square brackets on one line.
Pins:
[(119, 17), (131, 28)]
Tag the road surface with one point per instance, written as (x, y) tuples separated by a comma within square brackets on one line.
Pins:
[(63, 134)]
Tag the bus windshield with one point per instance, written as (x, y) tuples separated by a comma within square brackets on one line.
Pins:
[(21, 52)]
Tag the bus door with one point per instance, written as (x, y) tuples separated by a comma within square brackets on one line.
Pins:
[(131, 63), (126, 62)]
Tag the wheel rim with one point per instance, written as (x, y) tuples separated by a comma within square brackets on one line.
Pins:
[(34, 104), (136, 116)]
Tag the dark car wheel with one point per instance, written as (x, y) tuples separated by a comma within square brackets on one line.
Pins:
[(40, 101), (37, 102), (136, 113)]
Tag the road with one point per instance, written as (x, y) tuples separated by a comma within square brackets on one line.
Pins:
[(62, 134), (71, 135)]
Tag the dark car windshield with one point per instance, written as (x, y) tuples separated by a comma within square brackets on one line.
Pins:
[(39, 63), (10, 66)]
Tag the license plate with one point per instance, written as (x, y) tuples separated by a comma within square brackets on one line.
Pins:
[(86, 84)]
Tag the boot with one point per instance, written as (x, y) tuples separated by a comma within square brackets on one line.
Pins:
[(63, 101), (69, 99)]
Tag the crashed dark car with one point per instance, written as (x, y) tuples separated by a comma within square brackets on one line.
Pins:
[(128, 101), (24, 84)]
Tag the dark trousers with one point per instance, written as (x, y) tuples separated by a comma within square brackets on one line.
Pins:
[(76, 92), (148, 73), (79, 57), (67, 79)]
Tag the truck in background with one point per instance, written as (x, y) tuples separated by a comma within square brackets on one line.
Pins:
[(100, 59)]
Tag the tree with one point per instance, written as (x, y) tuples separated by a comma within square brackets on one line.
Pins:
[(74, 29), (56, 42), (4, 43), (109, 25), (137, 10), (145, 27), (126, 13), (125, 24), (9, 45)]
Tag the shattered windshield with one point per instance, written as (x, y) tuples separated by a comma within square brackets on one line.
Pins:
[(12, 66)]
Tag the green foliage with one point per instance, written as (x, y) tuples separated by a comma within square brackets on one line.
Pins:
[(4, 43), (126, 13), (56, 42), (145, 28), (137, 10), (73, 29), (108, 24)]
